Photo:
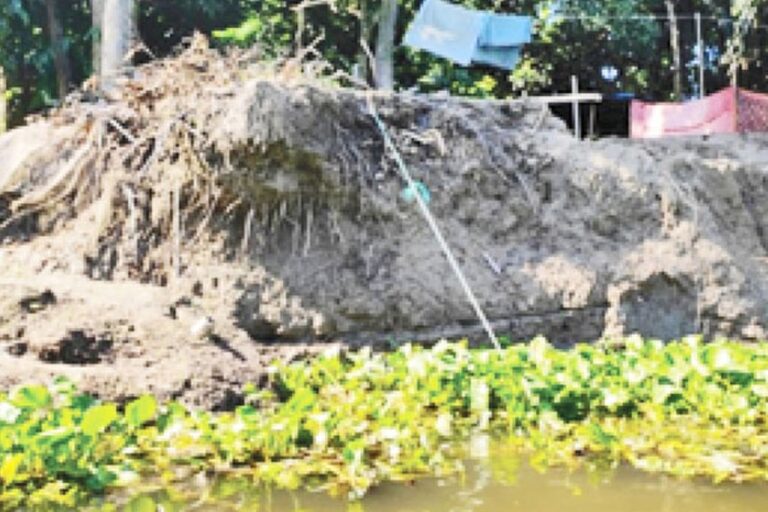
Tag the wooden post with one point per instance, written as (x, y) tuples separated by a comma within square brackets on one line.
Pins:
[(700, 54), (575, 105), (592, 119), (674, 41)]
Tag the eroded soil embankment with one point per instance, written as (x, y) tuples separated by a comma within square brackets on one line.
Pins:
[(278, 207)]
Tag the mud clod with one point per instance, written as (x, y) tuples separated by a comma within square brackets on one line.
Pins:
[(77, 348), (36, 303), (661, 307)]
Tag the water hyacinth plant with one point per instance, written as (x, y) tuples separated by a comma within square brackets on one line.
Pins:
[(345, 422)]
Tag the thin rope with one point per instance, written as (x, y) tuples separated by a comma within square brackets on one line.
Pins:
[(648, 17), (638, 17), (432, 224)]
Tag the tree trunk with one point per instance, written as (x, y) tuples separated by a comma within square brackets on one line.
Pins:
[(97, 20), (117, 33), (301, 25), (135, 13), (3, 102), (56, 37), (385, 46), (366, 29), (674, 38)]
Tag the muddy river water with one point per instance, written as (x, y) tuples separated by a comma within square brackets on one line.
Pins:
[(497, 483)]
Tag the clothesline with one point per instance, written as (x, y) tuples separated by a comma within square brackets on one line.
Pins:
[(649, 17), (642, 17)]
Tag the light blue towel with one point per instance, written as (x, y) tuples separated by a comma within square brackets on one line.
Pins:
[(504, 30), (499, 57), (466, 36), (447, 30)]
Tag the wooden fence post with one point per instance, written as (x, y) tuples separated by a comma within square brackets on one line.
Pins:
[(576, 112)]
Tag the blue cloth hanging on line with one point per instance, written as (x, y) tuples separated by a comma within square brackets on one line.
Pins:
[(466, 36), (447, 30), (502, 39), (504, 58), (506, 30)]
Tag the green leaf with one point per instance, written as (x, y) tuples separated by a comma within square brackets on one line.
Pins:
[(98, 418), (101, 479), (141, 411), (10, 467), (32, 397), (141, 504)]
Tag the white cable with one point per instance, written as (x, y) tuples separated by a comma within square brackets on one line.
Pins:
[(645, 17), (662, 17), (433, 224)]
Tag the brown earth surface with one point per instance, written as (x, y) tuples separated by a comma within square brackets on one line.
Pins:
[(119, 340), (223, 197)]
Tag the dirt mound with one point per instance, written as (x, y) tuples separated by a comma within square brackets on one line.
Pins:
[(222, 190)]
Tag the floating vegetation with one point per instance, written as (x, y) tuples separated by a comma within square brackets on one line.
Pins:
[(344, 422)]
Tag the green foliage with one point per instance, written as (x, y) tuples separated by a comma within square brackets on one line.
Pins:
[(27, 57), (574, 37), (141, 411), (749, 43), (637, 49), (346, 422), (583, 36), (97, 419), (271, 25), (164, 25)]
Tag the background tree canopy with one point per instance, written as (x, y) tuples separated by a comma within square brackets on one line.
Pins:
[(603, 42)]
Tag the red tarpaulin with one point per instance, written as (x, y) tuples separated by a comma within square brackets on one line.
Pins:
[(728, 111)]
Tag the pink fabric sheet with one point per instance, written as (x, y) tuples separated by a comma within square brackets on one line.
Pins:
[(713, 114)]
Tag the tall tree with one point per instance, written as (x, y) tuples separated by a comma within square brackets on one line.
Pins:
[(366, 30), (736, 57), (385, 45), (135, 16), (674, 41), (117, 32), (59, 48), (97, 14)]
